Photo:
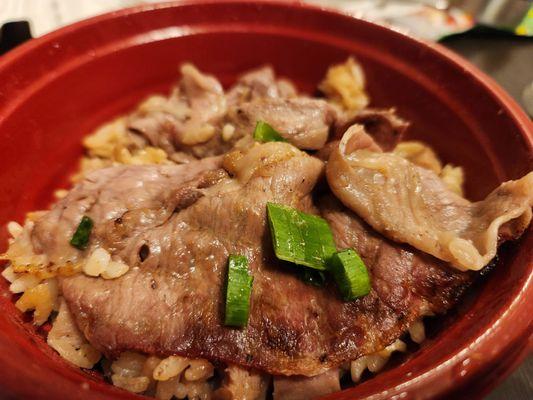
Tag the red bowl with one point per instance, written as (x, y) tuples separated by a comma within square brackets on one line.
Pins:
[(56, 89)]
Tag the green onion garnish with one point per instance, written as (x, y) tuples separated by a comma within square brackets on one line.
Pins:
[(265, 133), (350, 273), (300, 238), (80, 239), (238, 291)]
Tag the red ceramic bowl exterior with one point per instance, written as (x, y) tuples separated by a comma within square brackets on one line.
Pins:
[(56, 89)]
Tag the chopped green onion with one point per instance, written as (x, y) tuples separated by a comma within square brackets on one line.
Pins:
[(239, 288), (300, 238), (313, 277), (80, 239), (350, 273), (265, 133)]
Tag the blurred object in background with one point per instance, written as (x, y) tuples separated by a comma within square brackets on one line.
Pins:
[(435, 19), (429, 19), (513, 15)]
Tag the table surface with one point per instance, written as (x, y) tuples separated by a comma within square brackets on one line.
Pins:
[(509, 60)]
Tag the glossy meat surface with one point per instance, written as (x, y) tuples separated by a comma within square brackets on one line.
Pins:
[(411, 204)]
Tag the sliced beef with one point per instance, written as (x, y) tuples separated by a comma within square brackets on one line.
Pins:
[(362, 141), (122, 200), (411, 204), (404, 279), (304, 122), (198, 120), (385, 127), (171, 301), (259, 83), (187, 120)]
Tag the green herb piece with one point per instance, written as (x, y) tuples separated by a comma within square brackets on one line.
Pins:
[(265, 133), (350, 273), (80, 239), (239, 288), (300, 238)]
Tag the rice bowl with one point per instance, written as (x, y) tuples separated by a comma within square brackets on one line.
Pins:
[(314, 81)]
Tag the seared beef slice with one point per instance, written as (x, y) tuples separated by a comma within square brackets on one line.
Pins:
[(171, 301), (190, 121)]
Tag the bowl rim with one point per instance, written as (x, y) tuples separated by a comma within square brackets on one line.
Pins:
[(489, 83), (516, 331)]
